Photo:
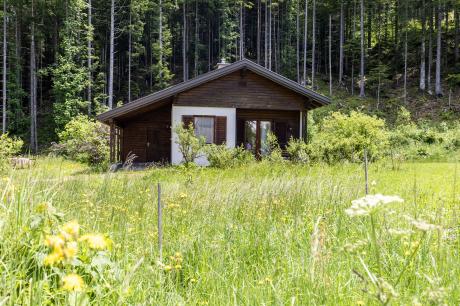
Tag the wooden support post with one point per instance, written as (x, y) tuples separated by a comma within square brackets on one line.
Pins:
[(112, 141), (160, 225)]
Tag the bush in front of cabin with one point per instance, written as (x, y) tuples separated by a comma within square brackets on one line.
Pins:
[(345, 137), (273, 151), (190, 146), (299, 151), (9, 146), (86, 141), (220, 156)]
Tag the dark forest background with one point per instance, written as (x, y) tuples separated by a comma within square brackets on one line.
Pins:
[(61, 58)]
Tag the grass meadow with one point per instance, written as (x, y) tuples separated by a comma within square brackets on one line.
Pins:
[(263, 234)]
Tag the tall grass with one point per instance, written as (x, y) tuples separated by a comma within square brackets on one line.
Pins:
[(262, 234)]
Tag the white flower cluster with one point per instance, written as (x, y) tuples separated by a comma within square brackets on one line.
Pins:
[(370, 203), (423, 226)]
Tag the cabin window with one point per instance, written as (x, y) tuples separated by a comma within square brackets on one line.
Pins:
[(204, 127)]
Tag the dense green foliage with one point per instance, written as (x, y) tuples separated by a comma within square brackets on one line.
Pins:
[(220, 156), (160, 43), (9, 146), (343, 136), (84, 140), (264, 233)]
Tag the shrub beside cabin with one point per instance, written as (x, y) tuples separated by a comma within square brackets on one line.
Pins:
[(236, 104)]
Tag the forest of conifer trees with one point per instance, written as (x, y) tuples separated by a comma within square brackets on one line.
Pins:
[(67, 57)]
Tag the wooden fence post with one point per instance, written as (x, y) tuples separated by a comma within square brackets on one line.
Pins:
[(366, 174), (160, 224)]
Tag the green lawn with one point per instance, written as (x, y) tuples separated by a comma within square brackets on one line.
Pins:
[(262, 234)]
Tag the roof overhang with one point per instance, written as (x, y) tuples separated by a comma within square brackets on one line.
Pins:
[(320, 100)]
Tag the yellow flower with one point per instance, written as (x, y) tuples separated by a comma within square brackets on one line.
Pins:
[(96, 242), (73, 282), (70, 251), (168, 268), (71, 228), (177, 267), (183, 195), (53, 259), (54, 242)]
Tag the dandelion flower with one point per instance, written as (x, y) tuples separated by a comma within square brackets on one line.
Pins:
[(95, 242), (168, 268), (53, 258), (369, 204), (54, 242), (73, 282), (71, 249), (71, 228)]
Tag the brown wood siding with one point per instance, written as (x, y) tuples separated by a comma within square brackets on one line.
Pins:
[(242, 89), (136, 134)]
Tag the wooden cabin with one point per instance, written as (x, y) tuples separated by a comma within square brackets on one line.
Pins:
[(236, 104)]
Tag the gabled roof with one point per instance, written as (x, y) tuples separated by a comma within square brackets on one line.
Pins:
[(212, 75)]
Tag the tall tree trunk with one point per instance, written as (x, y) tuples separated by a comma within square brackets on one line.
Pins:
[(195, 70), (160, 41), (112, 52), (438, 88), (5, 49), (361, 82), (330, 55), (266, 36), (405, 62), (297, 66), (258, 31), (130, 51), (184, 42), (305, 43), (313, 47), (422, 84), (33, 87), (341, 44), (90, 54), (241, 31), (430, 51), (270, 35), (353, 52), (457, 34)]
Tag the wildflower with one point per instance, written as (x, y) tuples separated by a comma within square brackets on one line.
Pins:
[(168, 268), (183, 195), (400, 232), (177, 267), (95, 242), (54, 242), (71, 228), (53, 259), (73, 282), (193, 280), (369, 204), (423, 225), (70, 251)]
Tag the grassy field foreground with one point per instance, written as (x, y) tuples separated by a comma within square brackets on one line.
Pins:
[(259, 235)]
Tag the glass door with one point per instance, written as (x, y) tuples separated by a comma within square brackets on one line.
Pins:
[(256, 136), (265, 128), (250, 136)]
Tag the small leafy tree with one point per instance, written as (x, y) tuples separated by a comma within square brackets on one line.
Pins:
[(190, 146), (9, 146), (85, 141), (343, 136), (274, 152)]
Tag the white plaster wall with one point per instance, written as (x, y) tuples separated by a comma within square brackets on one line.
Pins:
[(179, 111)]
